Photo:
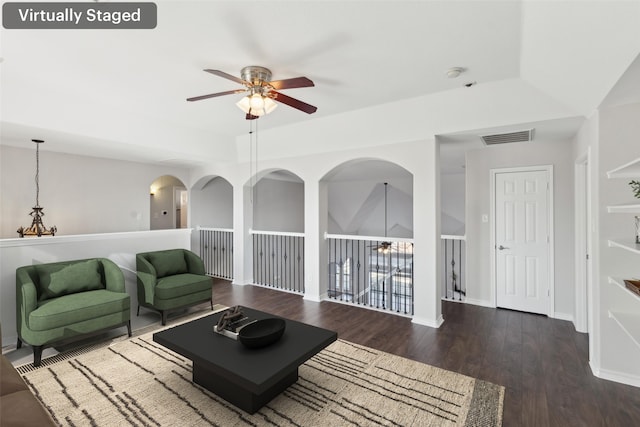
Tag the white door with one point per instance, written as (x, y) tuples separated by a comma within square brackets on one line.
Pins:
[(522, 240)]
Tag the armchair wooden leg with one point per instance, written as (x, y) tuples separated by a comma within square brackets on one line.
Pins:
[(19, 343), (37, 355), (129, 328), (211, 304), (138, 312), (164, 317)]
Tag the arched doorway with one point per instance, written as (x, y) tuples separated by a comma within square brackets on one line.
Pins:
[(370, 235), (276, 204), (168, 203), (212, 218)]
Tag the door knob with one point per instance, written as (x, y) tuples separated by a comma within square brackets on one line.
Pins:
[(502, 247)]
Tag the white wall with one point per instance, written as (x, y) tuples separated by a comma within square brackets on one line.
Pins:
[(452, 202), (479, 163), (278, 205), (80, 194)]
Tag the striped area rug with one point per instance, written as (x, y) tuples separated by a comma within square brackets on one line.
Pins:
[(137, 382)]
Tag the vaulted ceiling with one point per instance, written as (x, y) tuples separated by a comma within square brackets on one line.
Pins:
[(122, 93)]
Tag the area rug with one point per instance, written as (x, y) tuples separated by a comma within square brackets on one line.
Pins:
[(137, 382)]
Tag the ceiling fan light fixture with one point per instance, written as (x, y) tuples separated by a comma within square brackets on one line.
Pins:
[(244, 104), (269, 105), (256, 101), (257, 105)]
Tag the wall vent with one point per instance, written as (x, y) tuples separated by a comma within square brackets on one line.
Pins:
[(505, 138)]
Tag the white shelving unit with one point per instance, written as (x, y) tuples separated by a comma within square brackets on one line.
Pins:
[(628, 170), (628, 322), (632, 208), (627, 245), (620, 282)]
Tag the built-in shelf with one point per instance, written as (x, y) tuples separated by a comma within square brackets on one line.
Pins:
[(630, 324), (620, 282), (629, 245), (631, 208), (628, 170)]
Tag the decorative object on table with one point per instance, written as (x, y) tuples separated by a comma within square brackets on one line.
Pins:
[(633, 286), (231, 322), (37, 227), (637, 218), (635, 186), (262, 333)]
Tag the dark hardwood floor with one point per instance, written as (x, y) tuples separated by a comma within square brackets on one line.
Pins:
[(542, 362)]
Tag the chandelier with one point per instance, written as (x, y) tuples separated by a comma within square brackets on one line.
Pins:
[(37, 228)]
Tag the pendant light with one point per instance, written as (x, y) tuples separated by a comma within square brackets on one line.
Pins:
[(37, 227)]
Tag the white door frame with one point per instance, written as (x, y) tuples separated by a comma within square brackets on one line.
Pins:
[(492, 231), (583, 274)]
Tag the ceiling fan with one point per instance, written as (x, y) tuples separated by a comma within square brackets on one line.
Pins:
[(261, 91)]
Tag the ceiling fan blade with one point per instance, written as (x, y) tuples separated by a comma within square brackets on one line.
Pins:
[(292, 102), (291, 83), (251, 117), (226, 76), (213, 95)]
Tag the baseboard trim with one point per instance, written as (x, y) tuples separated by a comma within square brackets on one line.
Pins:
[(428, 322), (564, 316), (481, 303), (619, 377), (313, 298)]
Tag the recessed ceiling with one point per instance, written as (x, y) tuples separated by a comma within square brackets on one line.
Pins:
[(122, 93)]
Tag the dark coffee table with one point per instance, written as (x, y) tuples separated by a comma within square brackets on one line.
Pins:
[(247, 378)]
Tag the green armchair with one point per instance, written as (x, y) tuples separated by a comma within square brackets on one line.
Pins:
[(64, 301), (171, 279)]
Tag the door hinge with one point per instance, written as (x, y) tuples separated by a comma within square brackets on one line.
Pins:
[(587, 256), (548, 292)]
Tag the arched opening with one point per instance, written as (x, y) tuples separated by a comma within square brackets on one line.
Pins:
[(169, 200), (276, 204), (212, 217), (369, 214)]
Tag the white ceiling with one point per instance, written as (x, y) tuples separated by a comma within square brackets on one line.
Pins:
[(122, 93)]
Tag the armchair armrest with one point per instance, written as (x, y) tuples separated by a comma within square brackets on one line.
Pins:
[(195, 265), (113, 276), (147, 278), (26, 296)]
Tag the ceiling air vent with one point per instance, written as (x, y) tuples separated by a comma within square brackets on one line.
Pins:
[(505, 138)]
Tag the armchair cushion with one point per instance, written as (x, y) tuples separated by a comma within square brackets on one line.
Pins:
[(75, 308), (181, 284), (74, 278), (168, 263)]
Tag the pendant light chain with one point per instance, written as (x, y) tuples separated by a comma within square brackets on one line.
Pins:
[(37, 175), (251, 159), (253, 156)]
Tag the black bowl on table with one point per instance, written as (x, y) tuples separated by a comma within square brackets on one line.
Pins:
[(262, 333)]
